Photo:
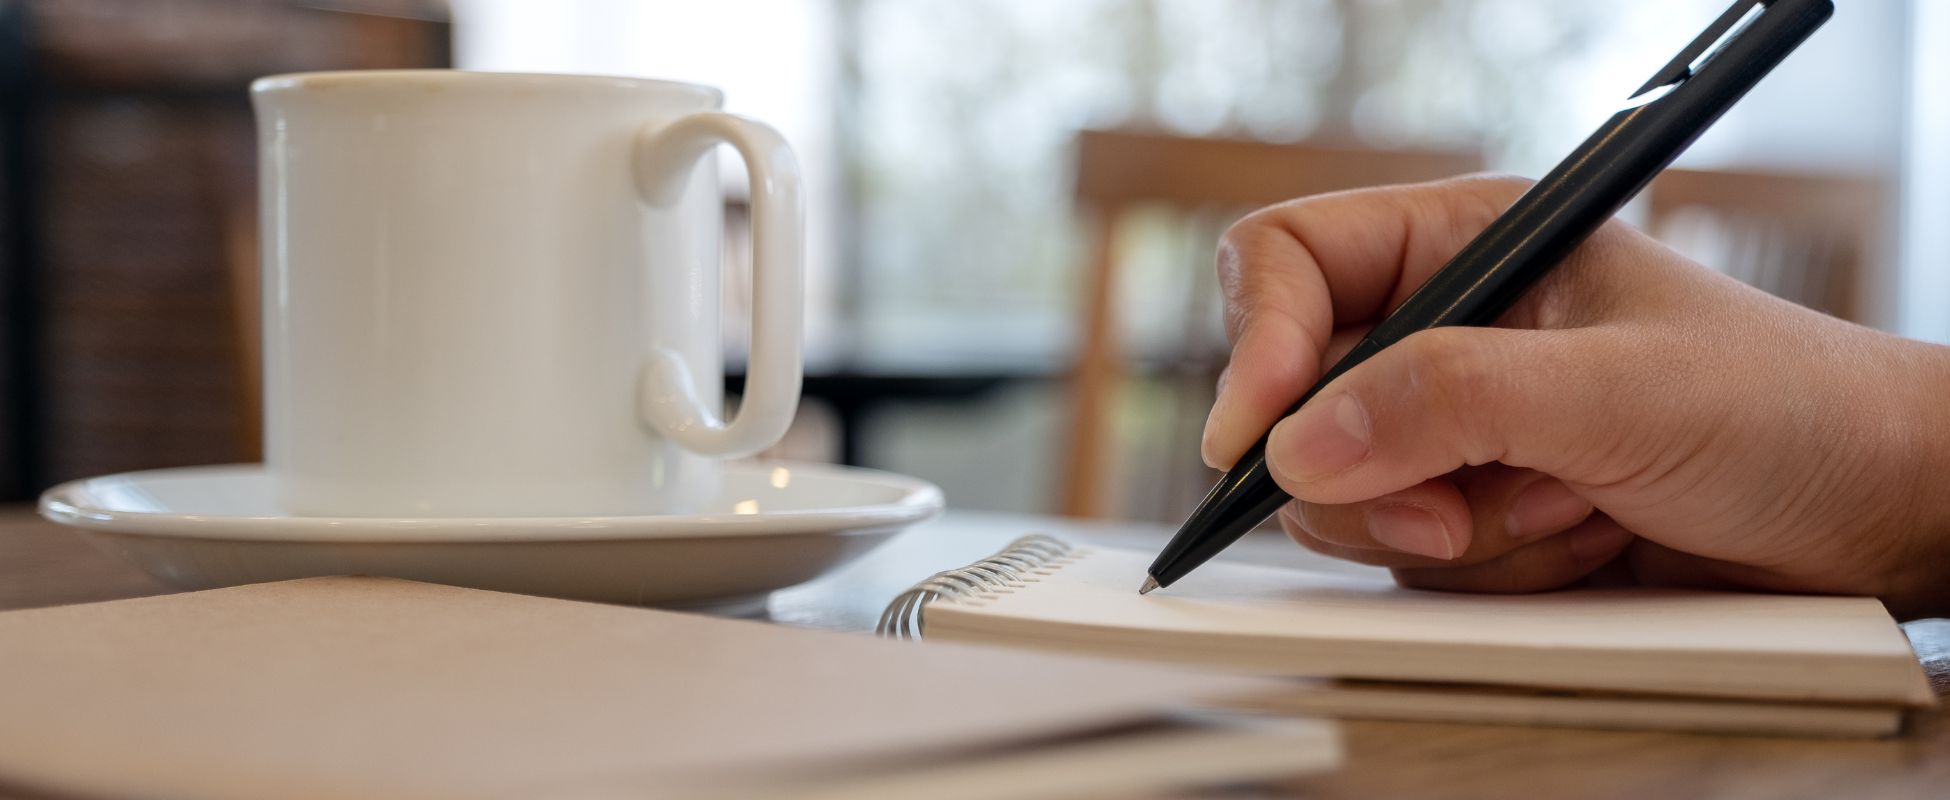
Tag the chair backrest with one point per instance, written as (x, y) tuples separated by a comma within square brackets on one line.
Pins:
[(1807, 238), (1119, 170)]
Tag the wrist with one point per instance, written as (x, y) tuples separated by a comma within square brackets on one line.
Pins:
[(1922, 585)]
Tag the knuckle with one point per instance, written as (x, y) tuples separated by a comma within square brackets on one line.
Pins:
[(1448, 361), (1243, 283), (1244, 228), (1459, 374), (1253, 234)]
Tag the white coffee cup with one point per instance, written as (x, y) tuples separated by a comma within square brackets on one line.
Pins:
[(497, 294)]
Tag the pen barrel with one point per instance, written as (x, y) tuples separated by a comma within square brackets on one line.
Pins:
[(1597, 179)]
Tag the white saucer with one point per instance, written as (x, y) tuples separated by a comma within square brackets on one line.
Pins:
[(773, 525)]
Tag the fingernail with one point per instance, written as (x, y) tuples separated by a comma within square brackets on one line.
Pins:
[(1545, 507), (1411, 529), (1324, 439), (1205, 439), (1597, 542), (1220, 410)]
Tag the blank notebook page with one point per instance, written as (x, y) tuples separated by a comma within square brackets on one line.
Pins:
[(1291, 622)]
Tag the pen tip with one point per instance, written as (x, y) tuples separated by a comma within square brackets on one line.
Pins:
[(1149, 584)]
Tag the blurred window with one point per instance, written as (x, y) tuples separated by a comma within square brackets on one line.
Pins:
[(937, 134)]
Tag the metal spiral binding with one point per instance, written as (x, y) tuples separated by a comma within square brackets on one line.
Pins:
[(1024, 559)]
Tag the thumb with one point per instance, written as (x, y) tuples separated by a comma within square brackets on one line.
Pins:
[(1445, 398)]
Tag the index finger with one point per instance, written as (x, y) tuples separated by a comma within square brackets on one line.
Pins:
[(1295, 272)]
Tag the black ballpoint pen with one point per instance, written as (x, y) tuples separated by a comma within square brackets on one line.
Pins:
[(1544, 225)]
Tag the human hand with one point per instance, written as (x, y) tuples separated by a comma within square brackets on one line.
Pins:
[(1634, 413)]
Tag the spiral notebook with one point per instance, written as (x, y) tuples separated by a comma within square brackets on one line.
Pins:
[(1624, 658)]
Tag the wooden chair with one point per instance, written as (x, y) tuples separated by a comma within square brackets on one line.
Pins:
[(1808, 238), (130, 198), (1119, 171)]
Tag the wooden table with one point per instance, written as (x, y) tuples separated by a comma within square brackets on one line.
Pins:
[(40, 564)]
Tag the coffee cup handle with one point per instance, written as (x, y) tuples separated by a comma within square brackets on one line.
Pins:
[(667, 396)]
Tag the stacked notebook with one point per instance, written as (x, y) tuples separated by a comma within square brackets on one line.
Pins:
[(1357, 647), (365, 687)]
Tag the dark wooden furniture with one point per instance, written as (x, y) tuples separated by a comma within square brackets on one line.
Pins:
[(128, 156)]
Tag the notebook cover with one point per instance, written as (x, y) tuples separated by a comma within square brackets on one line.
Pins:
[(365, 687)]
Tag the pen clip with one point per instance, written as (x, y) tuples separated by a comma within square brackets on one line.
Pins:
[(1681, 67)]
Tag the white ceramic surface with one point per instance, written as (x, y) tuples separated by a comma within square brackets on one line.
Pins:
[(498, 294), (772, 525)]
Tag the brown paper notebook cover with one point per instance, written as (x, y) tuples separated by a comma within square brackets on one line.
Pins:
[(363, 687), (1615, 658)]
